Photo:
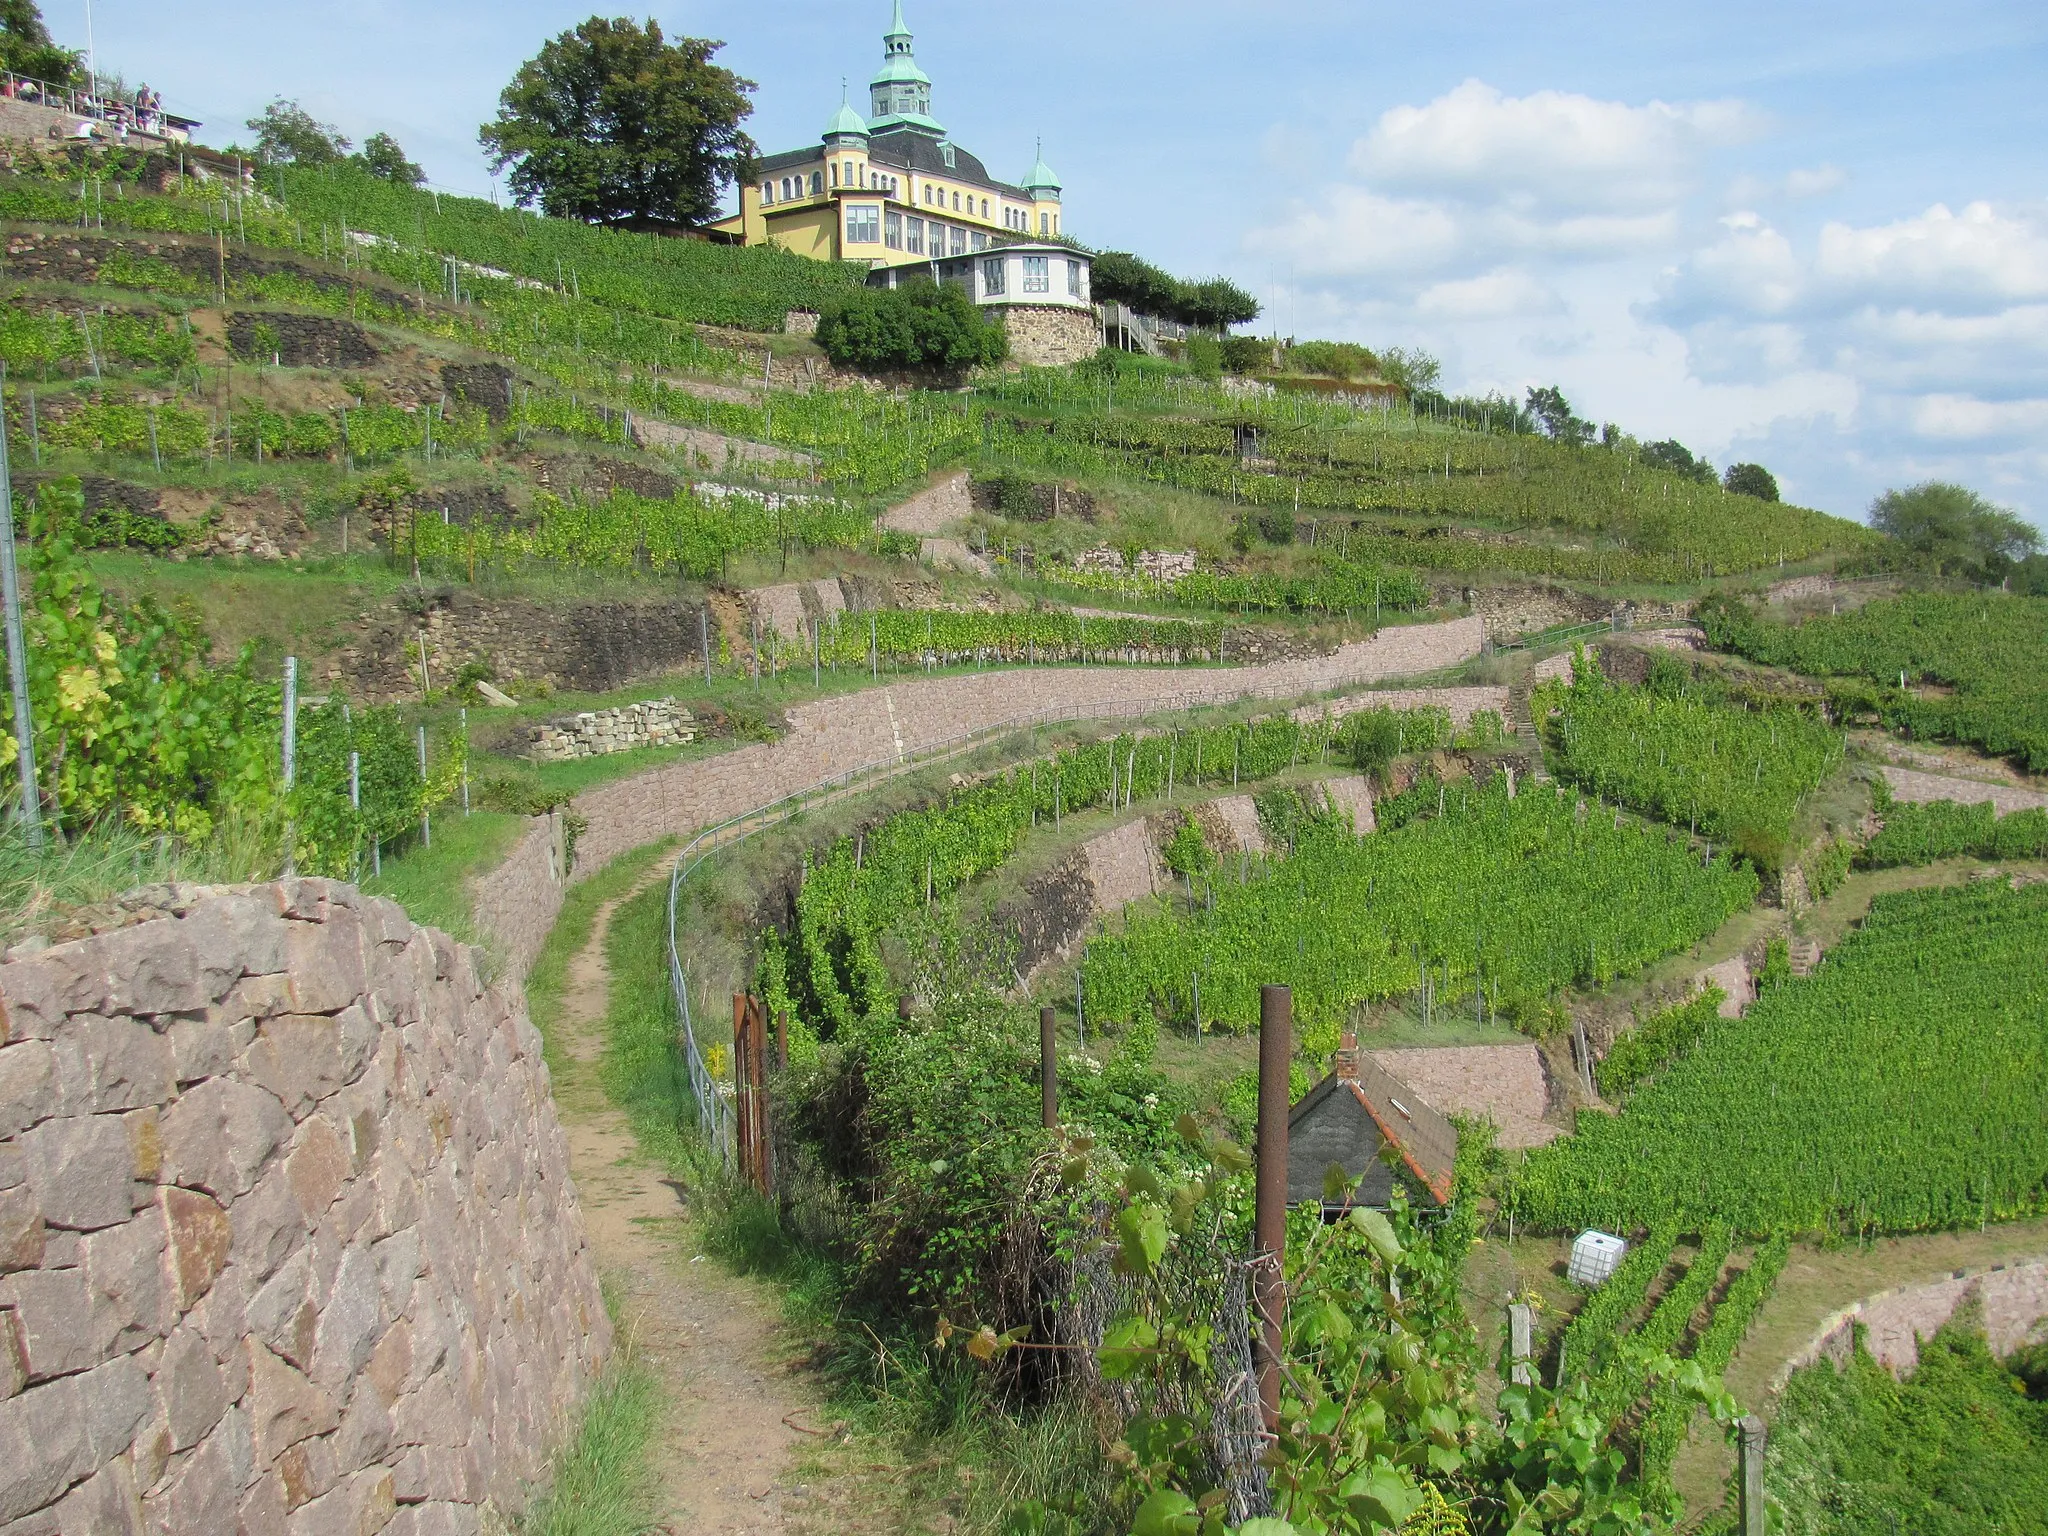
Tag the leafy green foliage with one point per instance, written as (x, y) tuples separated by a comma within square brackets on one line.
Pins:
[(1953, 527), (1986, 647), (612, 123), (1656, 1041), (1750, 480), (27, 49), (1736, 774), (1611, 1308), (332, 836), (1118, 277), (634, 274), (1336, 359), (1677, 458), (1554, 414), (131, 722), (1941, 829), (287, 134), (862, 887), (1828, 866), (384, 157), (919, 325), (1379, 1427), (1958, 1448), (1898, 1088), (1496, 901), (34, 339)]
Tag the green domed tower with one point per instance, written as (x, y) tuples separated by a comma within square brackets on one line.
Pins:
[(901, 93)]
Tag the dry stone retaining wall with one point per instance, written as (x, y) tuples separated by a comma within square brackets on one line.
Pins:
[(1918, 788), (516, 904), (831, 736), (600, 732), (1460, 703), (2014, 1305), (930, 511), (288, 1238)]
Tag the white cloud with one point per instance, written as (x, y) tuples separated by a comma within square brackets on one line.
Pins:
[(1550, 149), (1557, 238), (1963, 419), (1497, 295)]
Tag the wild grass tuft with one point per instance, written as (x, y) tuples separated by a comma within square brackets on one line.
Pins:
[(602, 1484)]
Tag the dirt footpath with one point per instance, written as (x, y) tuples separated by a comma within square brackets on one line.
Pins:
[(725, 1451)]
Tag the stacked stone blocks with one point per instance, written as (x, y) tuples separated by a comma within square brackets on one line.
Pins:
[(287, 1233), (600, 732)]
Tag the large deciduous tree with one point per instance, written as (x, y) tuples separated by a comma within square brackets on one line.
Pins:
[(1954, 527), (26, 48), (384, 157), (1750, 480), (614, 124), (1554, 414), (287, 134)]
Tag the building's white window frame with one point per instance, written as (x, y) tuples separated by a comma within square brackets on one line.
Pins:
[(992, 277), (913, 236), (1038, 274), (1077, 285), (817, 183), (892, 229), (978, 241), (767, 192), (863, 223)]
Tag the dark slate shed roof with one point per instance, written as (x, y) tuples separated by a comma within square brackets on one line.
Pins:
[(1330, 1125)]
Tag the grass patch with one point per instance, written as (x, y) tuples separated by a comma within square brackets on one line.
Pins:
[(432, 883), (37, 886), (549, 974), (601, 1483)]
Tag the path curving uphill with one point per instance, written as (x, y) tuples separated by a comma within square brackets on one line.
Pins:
[(515, 904)]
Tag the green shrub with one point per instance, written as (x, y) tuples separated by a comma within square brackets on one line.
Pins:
[(1827, 869), (1246, 355), (1658, 1039), (1336, 359), (922, 325), (1205, 357)]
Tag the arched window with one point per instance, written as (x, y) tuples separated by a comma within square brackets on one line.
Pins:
[(817, 182), (835, 173)]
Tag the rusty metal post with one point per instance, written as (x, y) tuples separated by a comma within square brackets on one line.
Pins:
[(1269, 1220), (742, 1096), (1048, 1072), (757, 1088), (1751, 1494)]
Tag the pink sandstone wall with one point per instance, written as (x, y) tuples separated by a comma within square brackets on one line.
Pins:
[(287, 1240), (2013, 1298)]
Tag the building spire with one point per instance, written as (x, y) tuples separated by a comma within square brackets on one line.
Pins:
[(900, 96)]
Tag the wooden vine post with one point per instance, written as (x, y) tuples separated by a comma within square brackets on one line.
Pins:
[(1269, 1219), (750, 1096), (1048, 1072)]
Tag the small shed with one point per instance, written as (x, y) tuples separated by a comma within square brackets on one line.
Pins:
[(1349, 1116)]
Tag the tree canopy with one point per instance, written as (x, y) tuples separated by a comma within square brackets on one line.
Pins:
[(613, 124), (1213, 305), (287, 134), (26, 47), (1673, 455), (1955, 528), (382, 156), (1554, 414), (1751, 480), (921, 325)]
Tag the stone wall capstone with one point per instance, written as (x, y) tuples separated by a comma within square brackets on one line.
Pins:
[(287, 1238)]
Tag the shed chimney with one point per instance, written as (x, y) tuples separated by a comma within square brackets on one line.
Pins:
[(1346, 1065)]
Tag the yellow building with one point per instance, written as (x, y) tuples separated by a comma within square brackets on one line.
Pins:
[(891, 189)]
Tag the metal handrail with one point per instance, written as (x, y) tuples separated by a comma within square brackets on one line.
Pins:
[(715, 1115)]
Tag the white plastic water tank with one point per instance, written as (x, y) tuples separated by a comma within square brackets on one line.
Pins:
[(1595, 1256)]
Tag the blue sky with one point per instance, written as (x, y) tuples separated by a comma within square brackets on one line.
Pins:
[(1810, 234)]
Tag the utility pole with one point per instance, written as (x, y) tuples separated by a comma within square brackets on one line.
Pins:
[(17, 651)]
